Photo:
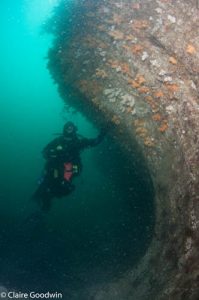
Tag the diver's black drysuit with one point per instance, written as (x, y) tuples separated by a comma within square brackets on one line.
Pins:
[(61, 153)]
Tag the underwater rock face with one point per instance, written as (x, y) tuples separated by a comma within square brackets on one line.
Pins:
[(136, 63)]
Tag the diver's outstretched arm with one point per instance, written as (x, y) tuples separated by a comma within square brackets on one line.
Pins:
[(85, 142)]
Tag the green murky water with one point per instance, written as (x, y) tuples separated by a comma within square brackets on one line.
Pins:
[(97, 232)]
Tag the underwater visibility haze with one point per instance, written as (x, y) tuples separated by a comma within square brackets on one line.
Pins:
[(104, 227)]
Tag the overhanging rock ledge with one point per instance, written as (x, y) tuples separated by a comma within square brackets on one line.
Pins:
[(136, 63)]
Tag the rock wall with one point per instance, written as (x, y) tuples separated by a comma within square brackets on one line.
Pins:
[(136, 63)]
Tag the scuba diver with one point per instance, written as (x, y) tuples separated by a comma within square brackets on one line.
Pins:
[(63, 163)]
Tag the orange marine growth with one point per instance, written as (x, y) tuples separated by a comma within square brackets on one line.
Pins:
[(90, 88), (149, 142), (172, 87), (116, 34), (137, 82), (152, 103), (136, 49), (191, 49), (158, 94), (141, 131), (172, 60), (163, 127), (117, 19), (144, 90), (140, 24), (140, 79), (120, 66), (157, 117)]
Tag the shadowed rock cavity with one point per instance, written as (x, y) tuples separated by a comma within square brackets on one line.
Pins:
[(135, 63)]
